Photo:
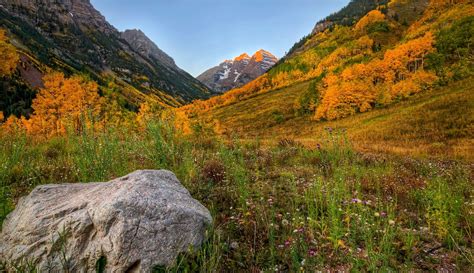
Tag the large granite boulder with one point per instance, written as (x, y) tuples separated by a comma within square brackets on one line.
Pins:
[(131, 223)]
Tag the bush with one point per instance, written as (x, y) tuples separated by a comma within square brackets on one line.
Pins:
[(379, 27), (214, 171), (457, 42)]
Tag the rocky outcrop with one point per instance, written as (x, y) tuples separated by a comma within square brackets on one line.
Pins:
[(142, 44), (237, 72), (80, 12), (131, 224), (321, 27)]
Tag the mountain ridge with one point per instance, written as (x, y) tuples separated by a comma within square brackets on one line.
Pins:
[(238, 71), (73, 37), (141, 43)]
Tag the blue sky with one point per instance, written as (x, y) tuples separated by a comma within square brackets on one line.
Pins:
[(200, 34)]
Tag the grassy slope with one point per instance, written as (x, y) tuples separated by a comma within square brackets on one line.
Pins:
[(437, 123)]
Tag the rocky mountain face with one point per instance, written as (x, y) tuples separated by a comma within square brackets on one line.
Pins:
[(146, 47), (234, 73), (73, 37)]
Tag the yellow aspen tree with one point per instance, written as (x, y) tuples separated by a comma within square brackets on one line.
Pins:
[(8, 56), (65, 103)]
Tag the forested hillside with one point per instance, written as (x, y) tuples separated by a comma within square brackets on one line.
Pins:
[(395, 51), (73, 38)]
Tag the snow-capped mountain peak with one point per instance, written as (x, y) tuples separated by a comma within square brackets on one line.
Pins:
[(242, 57), (238, 71)]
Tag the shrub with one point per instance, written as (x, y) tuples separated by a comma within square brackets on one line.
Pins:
[(214, 171), (289, 143)]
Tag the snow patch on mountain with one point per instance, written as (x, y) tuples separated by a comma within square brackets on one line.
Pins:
[(226, 72), (237, 75), (238, 71)]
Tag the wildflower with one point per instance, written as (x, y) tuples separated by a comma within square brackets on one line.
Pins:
[(318, 146), (356, 200), (284, 222), (377, 214), (341, 243), (383, 214), (287, 243), (234, 245), (311, 252), (391, 222)]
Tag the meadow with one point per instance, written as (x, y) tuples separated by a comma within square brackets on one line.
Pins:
[(277, 207), (437, 123), (353, 153)]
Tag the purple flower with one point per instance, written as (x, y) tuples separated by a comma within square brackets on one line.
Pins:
[(318, 146), (312, 252)]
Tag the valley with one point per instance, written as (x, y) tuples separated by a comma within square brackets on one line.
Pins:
[(422, 126), (353, 152)]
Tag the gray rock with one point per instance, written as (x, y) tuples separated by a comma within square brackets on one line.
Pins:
[(142, 44), (136, 222)]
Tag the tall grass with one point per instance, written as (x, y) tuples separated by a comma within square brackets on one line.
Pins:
[(278, 208)]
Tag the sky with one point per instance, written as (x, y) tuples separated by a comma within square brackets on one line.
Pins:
[(200, 34)]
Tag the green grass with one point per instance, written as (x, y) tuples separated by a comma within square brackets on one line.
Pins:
[(281, 207)]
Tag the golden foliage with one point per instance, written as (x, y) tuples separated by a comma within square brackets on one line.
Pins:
[(152, 112), (440, 14), (13, 124), (65, 103), (372, 17), (144, 115), (8, 56), (359, 87)]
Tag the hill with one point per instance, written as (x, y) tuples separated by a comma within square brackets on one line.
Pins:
[(436, 124), (73, 37), (400, 55)]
